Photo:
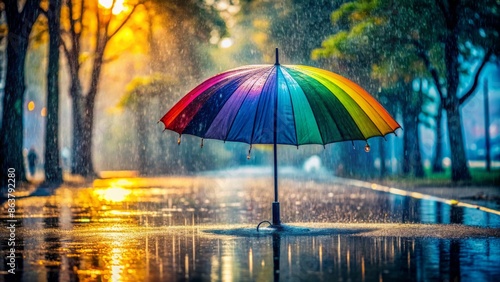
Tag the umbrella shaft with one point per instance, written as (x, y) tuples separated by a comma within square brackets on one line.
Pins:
[(276, 204), (275, 173), (276, 214)]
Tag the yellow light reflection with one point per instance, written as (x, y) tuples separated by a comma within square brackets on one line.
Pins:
[(43, 112), (117, 259), (250, 262), (114, 194), (320, 257), (362, 268), (227, 268)]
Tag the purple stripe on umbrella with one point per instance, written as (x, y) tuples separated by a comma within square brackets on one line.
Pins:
[(225, 117)]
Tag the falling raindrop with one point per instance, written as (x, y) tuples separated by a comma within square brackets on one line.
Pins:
[(367, 148), (201, 145), (249, 151), (179, 140)]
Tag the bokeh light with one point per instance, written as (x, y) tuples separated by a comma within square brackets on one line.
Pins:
[(31, 106)]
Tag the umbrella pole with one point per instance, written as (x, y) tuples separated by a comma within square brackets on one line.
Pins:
[(276, 204)]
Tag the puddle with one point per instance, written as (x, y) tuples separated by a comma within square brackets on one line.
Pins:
[(204, 228)]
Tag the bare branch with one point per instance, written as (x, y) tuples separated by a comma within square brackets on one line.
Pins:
[(74, 34), (80, 18), (98, 17), (124, 21), (110, 59), (475, 82), (112, 6), (65, 48), (71, 20)]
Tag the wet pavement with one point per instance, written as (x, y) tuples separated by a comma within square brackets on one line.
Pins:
[(202, 228)]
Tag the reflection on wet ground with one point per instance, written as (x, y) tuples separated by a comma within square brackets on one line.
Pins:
[(203, 228)]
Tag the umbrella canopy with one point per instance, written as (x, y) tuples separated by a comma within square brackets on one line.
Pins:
[(313, 106), (279, 104)]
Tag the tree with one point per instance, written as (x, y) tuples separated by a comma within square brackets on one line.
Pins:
[(388, 78), (443, 47), (105, 26), (185, 22), (458, 29), (437, 161), (53, 171), (177, 33), (20, 22)]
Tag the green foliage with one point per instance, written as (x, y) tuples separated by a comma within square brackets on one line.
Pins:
[(397, 41), (376, 35), (394, 32)]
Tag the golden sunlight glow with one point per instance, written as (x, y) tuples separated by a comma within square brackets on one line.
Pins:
[(117, 8), (114, 194)]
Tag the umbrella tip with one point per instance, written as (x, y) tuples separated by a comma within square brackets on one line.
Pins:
[(249, 152), (277, 57)]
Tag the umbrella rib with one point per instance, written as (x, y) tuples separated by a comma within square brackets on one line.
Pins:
[(246, 95)]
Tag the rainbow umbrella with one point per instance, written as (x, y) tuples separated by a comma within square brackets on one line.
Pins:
[(279, 104)]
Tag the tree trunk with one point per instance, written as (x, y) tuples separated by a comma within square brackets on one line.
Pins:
[(53, 171), (85, 153), (412, 158), (418, 166), (77, 118), (410, 144), (141, 136), (409, 122), (382, 152), (19, 25), (11, 149), (459, 169), (406, 148), (437, 162)]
